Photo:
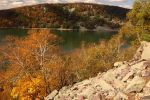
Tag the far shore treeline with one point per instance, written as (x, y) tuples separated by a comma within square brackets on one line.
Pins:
[(66, 16)]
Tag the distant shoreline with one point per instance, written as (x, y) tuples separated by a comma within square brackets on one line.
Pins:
[(101, 28)]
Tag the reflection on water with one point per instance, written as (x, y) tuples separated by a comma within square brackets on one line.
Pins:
[(71, 39)]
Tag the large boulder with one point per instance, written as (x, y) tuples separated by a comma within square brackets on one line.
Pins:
[(136, 85)]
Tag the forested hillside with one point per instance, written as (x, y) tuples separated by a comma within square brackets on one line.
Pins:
[(72, 16)]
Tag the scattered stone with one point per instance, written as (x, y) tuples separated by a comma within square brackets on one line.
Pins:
[(117, 64)]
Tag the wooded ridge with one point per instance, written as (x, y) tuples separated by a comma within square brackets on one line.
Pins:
[(68, 16)]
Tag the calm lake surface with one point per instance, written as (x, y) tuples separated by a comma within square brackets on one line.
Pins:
[(71, 39)]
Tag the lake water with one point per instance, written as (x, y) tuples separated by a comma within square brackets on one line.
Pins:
[(71, 39)]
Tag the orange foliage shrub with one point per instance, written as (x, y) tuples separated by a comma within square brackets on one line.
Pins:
[(29, 89)]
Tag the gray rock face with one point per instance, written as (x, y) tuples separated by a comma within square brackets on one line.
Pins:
[(128, 81)]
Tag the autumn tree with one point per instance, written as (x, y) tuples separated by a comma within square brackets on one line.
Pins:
[(139, 17), (38, 65), (30, 55)]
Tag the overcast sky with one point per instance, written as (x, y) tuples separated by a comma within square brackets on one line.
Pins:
[(5, 4)]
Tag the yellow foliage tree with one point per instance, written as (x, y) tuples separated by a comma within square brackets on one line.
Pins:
[(29, 89)]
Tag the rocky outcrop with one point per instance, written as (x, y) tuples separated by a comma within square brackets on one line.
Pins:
[(126, 81)]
